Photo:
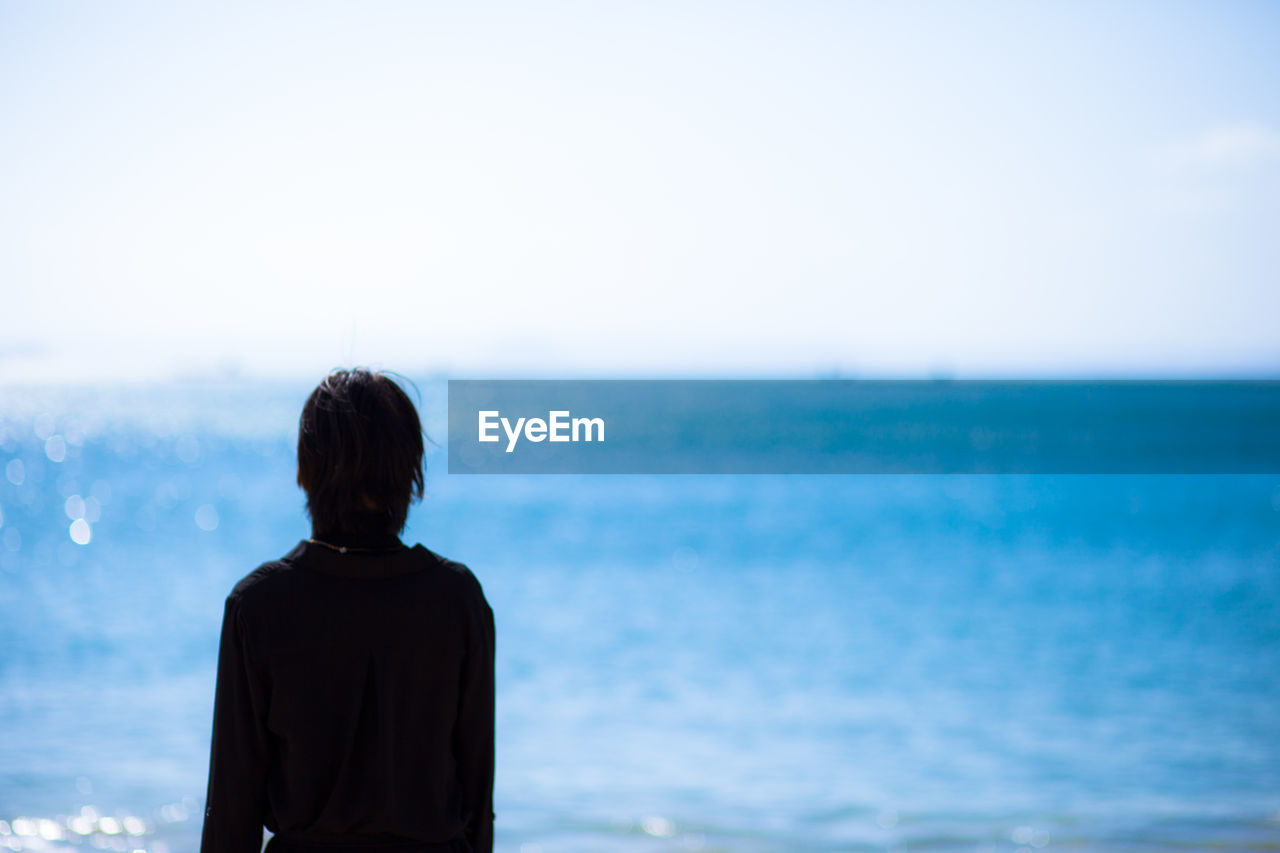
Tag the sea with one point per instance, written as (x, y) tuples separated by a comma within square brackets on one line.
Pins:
[(684, 663)]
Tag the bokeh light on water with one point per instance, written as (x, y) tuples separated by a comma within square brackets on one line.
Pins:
[(89, 828)]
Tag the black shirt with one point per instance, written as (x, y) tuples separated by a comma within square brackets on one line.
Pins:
[(354, 703)]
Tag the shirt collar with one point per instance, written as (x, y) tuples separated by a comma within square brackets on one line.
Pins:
[(398, 559)]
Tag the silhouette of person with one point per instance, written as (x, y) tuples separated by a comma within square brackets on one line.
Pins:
[(355, 694)]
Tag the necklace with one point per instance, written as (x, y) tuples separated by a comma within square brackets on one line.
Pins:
[(343, 549)]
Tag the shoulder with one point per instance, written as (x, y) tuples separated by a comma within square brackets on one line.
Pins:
[(472, 606), (260, 579), (263, 579), (457, 574)]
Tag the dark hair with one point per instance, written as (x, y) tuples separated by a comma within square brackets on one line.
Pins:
[(359, 454)]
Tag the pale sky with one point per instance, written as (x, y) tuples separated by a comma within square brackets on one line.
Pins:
[(661, 189)]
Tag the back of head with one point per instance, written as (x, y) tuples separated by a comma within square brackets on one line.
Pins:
[(360, 454)]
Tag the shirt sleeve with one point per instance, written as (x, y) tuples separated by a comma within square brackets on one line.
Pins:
[(236, 802), (473, 731)]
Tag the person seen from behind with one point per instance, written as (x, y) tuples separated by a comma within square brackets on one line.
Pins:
[(354, 701)]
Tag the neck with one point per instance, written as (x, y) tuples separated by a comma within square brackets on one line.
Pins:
[(356, 540)]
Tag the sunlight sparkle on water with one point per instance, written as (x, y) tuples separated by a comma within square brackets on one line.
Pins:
[(80, 532), (56, 448), (1029, 835), (659, 827), (207, 517), (49, 830)]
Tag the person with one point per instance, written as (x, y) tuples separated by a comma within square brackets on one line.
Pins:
[(353, 708)]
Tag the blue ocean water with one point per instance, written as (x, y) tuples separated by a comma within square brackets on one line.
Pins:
[(684, 663)]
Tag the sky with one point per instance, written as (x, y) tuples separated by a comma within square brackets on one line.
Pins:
[(639, 189)]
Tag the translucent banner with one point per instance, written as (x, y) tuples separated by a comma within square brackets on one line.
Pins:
[(863, 427)]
